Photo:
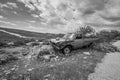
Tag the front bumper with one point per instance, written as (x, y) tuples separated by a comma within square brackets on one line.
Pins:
[(55, 46)]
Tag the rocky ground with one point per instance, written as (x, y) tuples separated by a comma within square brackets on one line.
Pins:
[(25, 64)]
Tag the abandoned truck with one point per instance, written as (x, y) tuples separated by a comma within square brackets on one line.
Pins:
[(71, 41)]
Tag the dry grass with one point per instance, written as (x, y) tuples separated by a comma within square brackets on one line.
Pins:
[(73, 67)]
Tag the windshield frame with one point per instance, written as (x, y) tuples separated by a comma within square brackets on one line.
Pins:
[(69, 36)]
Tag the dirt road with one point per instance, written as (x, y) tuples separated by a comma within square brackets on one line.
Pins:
[(109, 69)]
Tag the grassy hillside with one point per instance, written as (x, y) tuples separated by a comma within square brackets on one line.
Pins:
[(5, 36), (31, 34)]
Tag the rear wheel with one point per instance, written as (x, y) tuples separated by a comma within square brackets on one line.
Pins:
[(67, 50), (90, 45)]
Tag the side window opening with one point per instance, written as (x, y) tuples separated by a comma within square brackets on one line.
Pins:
[(79, 36)]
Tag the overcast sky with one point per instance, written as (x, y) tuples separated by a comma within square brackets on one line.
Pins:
[(58, 16)]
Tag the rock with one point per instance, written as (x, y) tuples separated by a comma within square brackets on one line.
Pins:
[(29, 56), (13, 69), (48, 75), (84, 57), (30, 69), (47, 57), (86, 53), (25, 53), (51, 65), (4, 79), (7, 72)]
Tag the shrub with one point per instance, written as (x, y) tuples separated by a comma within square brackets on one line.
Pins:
[(3, 44), (7, 58), (28, 40), (35, 44), (16, 52), (85, 30), (2, 52), (105, 47), (19, 43), (107, 36)]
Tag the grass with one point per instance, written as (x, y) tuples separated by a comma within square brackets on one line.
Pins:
[(73, 67), (76, 66)]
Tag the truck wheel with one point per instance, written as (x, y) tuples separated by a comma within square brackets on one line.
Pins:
[(90, 45), (67, 50)]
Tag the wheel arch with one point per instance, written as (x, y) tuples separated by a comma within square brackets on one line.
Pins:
[(68, 46)]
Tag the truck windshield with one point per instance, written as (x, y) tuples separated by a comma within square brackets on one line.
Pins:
[(69, 36)]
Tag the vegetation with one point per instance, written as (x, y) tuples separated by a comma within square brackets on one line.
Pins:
[(85, 30), (6, 57), (108, 36), (19, 43), (105, 47), (3, 44), (104, 38), (42, 62), (34, 35), (103, 35)]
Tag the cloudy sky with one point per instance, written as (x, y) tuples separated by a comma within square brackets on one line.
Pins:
[(58, 16)]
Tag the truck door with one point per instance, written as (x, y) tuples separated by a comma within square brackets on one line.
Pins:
[(87, 41), (78, 42)]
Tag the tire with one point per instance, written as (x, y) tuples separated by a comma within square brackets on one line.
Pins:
[(90, 45), (67, 50)]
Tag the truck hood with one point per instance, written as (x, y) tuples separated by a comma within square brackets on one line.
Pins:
[(58, 40)]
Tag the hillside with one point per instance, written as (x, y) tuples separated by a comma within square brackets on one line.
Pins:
[(7, 37), (17, 33), (43, 62)]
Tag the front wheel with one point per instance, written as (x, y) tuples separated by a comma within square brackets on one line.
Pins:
[(67, 50)]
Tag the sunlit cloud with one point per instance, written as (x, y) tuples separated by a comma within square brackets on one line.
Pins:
[(34, 15), (3, 5), (9, 5), (1, 17), (15, 12), (32, 21), (32, 27), (13, 5)]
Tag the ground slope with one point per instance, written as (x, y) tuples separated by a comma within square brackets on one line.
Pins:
[(76, 66)]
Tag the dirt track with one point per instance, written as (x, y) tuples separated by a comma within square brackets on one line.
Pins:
[(109, 69)]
